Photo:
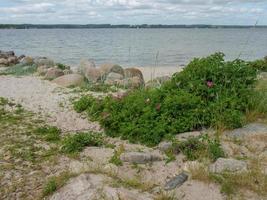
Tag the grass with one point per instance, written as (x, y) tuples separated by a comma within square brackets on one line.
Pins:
[(49, 133), (115, 159), (19, 70), (232, 184), (56, 182), (75, 143)]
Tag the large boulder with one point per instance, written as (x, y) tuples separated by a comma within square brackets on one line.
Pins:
[(106, 69), (43, 61), (88, 69), (134, 82), (53, 73), (69, 80), (113, 78), (133, 72), (6, 54), (12, 60), (3, 62), (26, 60)]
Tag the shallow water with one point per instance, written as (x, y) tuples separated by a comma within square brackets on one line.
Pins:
[(135, 47)]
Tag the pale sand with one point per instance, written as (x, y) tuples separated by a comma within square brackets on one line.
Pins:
[(46, 98), (154, 72)]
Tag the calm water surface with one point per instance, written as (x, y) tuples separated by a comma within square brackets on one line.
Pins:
[(135, 47)]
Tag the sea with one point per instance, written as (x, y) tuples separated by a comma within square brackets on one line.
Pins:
[(136, 47)]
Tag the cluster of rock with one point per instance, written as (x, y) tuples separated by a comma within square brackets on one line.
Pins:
[(111, 74), (108, 74), (8, 58)]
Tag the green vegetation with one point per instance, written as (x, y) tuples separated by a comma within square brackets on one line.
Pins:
[(19, 70), (209, 92), (61, 66), (115, 159), (200, 147), (50, 134), (56, 182), (260, 65), (75, 143)]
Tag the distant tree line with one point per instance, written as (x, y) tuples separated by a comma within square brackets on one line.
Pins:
[(87, 26)]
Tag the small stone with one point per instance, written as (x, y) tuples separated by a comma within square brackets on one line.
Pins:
[(26, 60), (187, 135), (69, 80), (177, 181), (228, 164), (53, 73)]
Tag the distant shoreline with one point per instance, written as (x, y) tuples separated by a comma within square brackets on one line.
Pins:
[(99, 26)]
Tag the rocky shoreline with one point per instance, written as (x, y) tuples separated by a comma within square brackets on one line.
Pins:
[(32, 167)]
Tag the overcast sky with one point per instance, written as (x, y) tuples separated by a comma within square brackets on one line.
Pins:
[(241, 12)]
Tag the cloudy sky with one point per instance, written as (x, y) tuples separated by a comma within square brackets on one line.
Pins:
[(241, 12)]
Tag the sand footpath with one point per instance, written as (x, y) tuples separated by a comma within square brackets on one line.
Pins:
[(47, 99)]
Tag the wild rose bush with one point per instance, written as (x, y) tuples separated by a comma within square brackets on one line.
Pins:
[(209, 92)]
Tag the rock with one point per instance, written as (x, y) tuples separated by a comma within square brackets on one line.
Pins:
[(69, 80), (42, 70), (88, 69), (91, 186), (43, 61), (26, 60), (177, 181), (12, 60), (187, 135), (21, 57), (133, 72), (3, 61), (165, 146), (227, 164), (106, 69), (140, 157), (134, 82), (67, 71), (6, 54), (53, 73), (93, 75), (157, 82), (113, 78), (247, 131)]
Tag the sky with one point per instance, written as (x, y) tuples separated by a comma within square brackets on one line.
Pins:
[(217, 12)]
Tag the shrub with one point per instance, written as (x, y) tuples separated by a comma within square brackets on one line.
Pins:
[(76, 143), (208, 92), (260, 65), (61, 66)]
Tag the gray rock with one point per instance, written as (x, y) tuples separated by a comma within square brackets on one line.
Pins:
[(134, 82), (91, 186), (248, 130), (69, 80), (6, 54), (42, 70), (53, 73), (140, 157), (165, 146), (106, 69), (177, 181), (228, 164), (113, 78)]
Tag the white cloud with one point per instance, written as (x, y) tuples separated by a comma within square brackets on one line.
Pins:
[(133, 11)]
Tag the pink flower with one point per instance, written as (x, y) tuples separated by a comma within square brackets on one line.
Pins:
[(210, 84)]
